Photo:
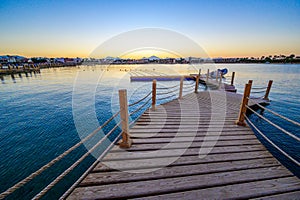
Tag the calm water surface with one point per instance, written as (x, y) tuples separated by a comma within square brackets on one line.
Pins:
[(39, 114)]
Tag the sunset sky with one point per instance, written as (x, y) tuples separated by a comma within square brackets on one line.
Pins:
[(223, 28)]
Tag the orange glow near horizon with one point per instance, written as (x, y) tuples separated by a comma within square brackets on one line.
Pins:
[(138, 54), (212, 52)]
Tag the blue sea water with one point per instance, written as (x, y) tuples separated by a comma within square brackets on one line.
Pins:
[(44, 114)]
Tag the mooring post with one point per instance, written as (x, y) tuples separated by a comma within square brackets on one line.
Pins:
[(266, 97), (217, 75), (197, 83), (221, 75), (207, 75), (153, 94), (181, 87), (243, 108), (126, 141), (199, 73), (232, 78)]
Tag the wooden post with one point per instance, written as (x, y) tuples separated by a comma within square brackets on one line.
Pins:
[(217, 75), (199, 72), (181, 87), (232, 78), (268, 90), (207, 75), (243, 108), (197, 83), (153, 94), (126, 141)]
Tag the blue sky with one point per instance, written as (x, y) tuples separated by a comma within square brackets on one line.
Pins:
[(222, 28)]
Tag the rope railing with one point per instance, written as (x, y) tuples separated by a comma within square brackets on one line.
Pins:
[(188, 89), (260, 97), (273, 124), (169, 92), (155, 94), (189, 86), (243, 116), (272, 143), (258, 88), (167, 97), (142, 99), (125, 143), (62, 175), (189, 83), (64, 196), (257, 92), (277, 114), (140, 107), (55, 160), (166, 88)]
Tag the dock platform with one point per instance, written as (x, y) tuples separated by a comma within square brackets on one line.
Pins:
[(209, 157)]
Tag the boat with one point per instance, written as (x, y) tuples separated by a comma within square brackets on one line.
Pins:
[(219, 71)]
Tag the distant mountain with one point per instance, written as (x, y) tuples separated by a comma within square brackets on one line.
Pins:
[(153, 58), (110, 58)]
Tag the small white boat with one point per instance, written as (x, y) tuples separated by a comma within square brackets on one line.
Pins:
[(218, 72)]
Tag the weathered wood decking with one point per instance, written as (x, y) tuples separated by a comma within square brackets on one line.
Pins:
[(182, 132)]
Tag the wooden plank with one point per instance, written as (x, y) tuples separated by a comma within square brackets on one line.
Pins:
[(169, 185), (143, 147), (251, 190), (178, 122), (184, 160), (183, 130), (190, 139), (186, 117), (183, 126), (236, 162), (284, 196), (179, 152), (176, 171), (191, 134)]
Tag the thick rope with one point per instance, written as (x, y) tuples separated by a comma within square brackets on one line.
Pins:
[(258, 88), (167, 97), (139, 108), (90, 168), (166, 88), (52, 162), (189, 83), (275, 125), (277, 114), (189, 86), (132, 104), (62, 175), (169, 92), (273, 144), (255, 92)]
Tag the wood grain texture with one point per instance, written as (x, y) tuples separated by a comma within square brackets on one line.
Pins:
[(232, 163)]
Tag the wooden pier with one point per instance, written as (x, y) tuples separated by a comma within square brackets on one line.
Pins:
[(205, 79), (213, 158), (29, 68), (197, 146)]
